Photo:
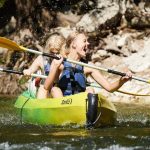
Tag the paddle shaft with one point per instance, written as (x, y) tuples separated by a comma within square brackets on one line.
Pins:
[(21, 73), (88, 84), (88, 65), (38, 75), (42, 53)]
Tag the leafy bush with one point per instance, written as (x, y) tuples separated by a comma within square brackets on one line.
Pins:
[(2, 3)]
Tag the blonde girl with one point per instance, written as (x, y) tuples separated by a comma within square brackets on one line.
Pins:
[(41, 63), (77, 45)]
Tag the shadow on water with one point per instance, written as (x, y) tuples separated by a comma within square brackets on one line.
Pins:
[(132, 131)]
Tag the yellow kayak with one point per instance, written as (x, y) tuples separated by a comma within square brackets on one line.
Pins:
[(68, 110)]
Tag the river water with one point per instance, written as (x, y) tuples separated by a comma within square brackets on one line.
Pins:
[(132, 131)]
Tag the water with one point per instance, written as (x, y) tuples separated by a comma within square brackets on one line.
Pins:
[(132, 131)]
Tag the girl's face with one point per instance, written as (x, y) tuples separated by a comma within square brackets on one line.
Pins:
[(81, 44)]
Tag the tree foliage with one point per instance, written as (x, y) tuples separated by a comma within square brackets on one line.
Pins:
[(2, 3)]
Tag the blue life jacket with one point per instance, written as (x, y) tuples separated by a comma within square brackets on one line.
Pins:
[(72, 79), (47, 69), (47, 66)]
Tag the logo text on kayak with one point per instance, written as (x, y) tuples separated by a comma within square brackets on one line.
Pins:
[(67, 101)]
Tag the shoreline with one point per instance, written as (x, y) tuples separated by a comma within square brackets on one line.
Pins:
[(8, 96)]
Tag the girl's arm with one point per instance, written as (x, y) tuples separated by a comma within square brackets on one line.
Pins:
[(110, 87), (53, 74), (38, 62)]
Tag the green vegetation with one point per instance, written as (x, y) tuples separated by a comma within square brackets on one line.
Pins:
[(2, 3)]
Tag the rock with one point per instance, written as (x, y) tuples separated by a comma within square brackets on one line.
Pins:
[(138, 62), (101, 16), (112, 61), (137, 19), (25, 33), (68, 19), (10, 84), (65, 31), (10, 27), (95, 57), (102, 53), (123, 40), (2, 50)]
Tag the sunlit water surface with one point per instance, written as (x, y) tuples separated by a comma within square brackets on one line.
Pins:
[(132, 131)]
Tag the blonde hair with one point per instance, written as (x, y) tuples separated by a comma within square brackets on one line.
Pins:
[(66, 46), (54, 42), (64, 51), (71, 38)]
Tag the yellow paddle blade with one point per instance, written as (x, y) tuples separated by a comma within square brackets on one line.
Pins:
[(6, 43), (23, 48), (5, 46)]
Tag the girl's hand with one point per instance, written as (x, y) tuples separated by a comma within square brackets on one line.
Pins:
[(127, 77), (27, 72), (57, 63), (26, 77)]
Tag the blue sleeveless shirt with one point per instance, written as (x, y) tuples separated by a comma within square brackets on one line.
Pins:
[(46, 68)]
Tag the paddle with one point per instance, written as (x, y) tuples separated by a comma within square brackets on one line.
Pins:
[(37, 75), (14, 46), (88, 84), (95, 85), (6, 43), (21, 73)]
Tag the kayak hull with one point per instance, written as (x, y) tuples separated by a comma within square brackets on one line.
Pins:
[(63, 111)]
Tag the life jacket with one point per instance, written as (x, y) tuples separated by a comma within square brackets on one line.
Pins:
[(72, 79), (35, 82), (46, 70)]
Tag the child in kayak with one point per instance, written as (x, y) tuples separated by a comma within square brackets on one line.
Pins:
[(53, 45), (72, 77)]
